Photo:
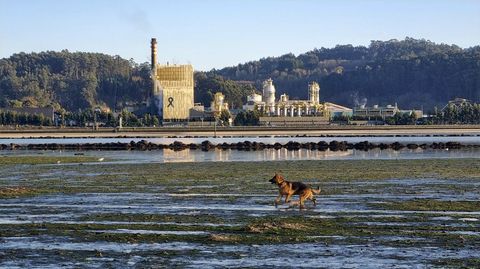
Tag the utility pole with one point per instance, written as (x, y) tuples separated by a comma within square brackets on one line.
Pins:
[(215, 128)]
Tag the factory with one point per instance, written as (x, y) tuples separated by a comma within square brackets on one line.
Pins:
[(383, 112), (284, 107), (283, 112), (172, 89), (173, 98)]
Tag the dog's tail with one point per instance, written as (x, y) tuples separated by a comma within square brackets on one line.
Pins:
[(316, 191)]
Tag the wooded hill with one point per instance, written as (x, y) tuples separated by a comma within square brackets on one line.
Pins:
[(80, 81), (71, 81), (413, 73)]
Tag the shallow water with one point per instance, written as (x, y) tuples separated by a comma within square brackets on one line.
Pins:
[(218, 155)]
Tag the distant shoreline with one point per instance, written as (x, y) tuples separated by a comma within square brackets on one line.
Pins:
[(239, 131)]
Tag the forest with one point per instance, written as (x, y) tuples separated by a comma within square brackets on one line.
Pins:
[(415, 73), (72, 82)]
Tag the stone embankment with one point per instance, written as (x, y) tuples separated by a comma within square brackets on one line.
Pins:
[(245, 146)]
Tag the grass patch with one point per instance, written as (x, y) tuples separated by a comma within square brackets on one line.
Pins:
[(154, 218), (458, 263), (431, 205), (9, 160), (14, 192), (235, 177)]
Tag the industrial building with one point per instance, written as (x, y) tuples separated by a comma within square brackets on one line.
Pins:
[(336, 110), (254, 101), (376, 111), (285, 107), (286, 112), (172, 88), (457, 102), (218, 104), (379, 112)]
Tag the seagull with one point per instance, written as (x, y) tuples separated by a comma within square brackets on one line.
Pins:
[(101, 159), (58, 162)]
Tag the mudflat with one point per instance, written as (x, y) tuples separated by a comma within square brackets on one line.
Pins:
[(371, 213)]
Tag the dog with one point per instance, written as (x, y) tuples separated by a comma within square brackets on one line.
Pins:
[(289, 189)]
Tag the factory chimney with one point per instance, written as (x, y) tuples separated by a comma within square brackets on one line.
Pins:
[(153, 46)]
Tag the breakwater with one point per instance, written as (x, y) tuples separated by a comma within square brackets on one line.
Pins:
[(206, 145)]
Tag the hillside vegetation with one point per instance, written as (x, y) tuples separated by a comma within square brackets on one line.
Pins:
[(413, 73), (80, 81), (71, 81)]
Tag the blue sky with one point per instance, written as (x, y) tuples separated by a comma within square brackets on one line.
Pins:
[(218, 33)]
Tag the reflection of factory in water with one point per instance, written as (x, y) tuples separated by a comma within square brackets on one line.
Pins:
[(220, 155), (174, 156)]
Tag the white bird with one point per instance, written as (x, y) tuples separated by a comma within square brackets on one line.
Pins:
[(58, 162), (101, 159)]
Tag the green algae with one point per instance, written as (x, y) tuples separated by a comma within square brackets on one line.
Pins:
[(32, 160), (235, 177), (431, 205)]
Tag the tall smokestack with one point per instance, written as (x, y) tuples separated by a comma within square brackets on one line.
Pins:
[(153, 46)]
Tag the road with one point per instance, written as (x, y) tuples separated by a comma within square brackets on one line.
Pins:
[(471, 130)]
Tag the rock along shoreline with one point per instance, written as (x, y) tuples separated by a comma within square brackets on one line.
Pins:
[(206, 145)]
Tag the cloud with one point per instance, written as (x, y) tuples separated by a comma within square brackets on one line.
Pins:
[(137, 19)]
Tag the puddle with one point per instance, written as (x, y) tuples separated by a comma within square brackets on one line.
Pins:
[(128, 231), (332, 256), (442, 218), (468, 219), (63, 243), (465, 233), (207, 224)]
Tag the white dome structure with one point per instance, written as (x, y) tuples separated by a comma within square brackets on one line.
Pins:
[(269, 95)]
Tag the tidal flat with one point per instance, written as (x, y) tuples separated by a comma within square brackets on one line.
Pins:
[(421, 213)]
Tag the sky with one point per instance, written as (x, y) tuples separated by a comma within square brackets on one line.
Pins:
[(218, 33)]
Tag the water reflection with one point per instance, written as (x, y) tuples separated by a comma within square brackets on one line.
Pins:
[(168, 155), (219, 155), (283, 154)]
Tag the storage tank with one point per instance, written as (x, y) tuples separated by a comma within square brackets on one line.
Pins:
[(269, 95), (254, 98), (314, 93)]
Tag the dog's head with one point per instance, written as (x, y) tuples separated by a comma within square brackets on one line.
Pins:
[(276, 179)]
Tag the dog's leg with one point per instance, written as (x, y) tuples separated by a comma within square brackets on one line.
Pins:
[(312, 198), (287, 198), (278, 199), (302, 202)]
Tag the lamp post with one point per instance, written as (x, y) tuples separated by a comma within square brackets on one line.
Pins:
[(215, 127), (95, 111)]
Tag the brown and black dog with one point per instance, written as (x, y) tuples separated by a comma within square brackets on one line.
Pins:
[(289, 189)]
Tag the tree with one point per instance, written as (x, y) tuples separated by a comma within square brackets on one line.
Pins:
[(247, 118), (225, 117)]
